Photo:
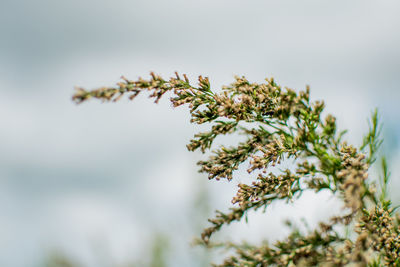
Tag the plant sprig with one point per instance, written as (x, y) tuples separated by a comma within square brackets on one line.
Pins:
[(281, 124)]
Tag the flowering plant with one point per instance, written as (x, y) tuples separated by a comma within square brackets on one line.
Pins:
[(281, 124)]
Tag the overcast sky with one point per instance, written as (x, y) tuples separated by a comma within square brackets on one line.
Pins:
[(117, 172)]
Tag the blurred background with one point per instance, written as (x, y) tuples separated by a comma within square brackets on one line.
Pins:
[(113, 184)]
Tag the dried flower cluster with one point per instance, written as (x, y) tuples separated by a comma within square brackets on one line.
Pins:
[(283, 124)]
